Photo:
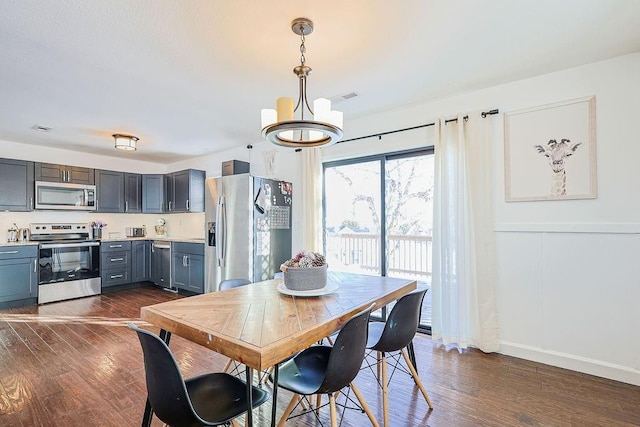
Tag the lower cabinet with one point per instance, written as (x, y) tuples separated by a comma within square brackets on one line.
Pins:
[(140, 261), (18, 273), (187, 266), (115, 263)]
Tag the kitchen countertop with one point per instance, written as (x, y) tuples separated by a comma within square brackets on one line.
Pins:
[(157, 238), (118, 239)]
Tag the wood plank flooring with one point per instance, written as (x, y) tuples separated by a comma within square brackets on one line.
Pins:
[(75, 363)]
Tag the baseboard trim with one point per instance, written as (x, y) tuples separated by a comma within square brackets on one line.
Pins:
[(575, 363)]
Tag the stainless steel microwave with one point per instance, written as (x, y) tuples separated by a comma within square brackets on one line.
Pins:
[(63, 196)]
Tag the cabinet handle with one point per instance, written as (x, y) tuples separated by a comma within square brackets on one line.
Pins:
[(30, 202), (187, 205), (35, 265), (116, 276), (186, 260), (117, 259), (169, 206), (126, 206), (8, 252), (115, 246)]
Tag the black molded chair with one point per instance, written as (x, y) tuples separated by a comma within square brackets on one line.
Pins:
[(327, 370), (207, 400), (394, 336)]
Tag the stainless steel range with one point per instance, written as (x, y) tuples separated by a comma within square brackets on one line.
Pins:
[(68, 261)]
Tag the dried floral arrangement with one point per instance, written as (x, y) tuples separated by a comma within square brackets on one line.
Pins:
[(98, 224), (305, 259)]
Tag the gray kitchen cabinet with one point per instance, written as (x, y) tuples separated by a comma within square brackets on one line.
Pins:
[(140, 261), (62, 173), (153, 193), (132, 192), (16, 180), (161, 263), (115, 263), (18, 275), (185, 191), (187, 266), (110, 189)]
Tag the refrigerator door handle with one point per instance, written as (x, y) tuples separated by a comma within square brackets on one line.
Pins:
[(221, 225)]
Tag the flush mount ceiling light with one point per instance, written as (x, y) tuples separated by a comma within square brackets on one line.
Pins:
[(313, 128), (125, 142)]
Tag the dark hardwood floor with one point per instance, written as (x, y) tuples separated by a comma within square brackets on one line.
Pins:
[(74, 363)]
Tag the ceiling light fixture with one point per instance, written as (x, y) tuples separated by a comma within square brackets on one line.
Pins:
[(125, 142), (320, 127)]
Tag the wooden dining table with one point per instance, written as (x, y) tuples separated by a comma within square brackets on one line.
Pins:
[(262, 324)]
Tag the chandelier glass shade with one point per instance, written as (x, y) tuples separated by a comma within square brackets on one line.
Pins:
[(125, 142), (315, 127)]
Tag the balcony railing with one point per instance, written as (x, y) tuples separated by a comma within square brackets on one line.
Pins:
[(408, 256)]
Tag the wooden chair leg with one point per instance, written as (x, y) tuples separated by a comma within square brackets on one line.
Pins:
[(385, 390), (292, 404), (416, 378), (318, 403), (363, 402), (378, 360), (226, 367), (334, 416)]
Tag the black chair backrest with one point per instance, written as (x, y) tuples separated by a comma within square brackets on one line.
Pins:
[(402, 324), (166, 390), (233, 283), (347, 353)]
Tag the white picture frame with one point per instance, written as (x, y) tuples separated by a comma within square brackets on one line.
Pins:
[(550, 152)]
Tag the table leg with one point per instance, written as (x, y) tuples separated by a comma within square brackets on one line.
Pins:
[(274, 398), (148, 411), (249, 373)]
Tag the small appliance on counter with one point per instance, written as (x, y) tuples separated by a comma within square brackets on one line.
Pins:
[(12, 233), (161, 227), (136, 231)]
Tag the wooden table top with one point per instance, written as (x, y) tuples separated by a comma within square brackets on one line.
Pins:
[(259, 326)]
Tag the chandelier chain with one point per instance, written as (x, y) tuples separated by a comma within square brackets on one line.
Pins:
[(303, 49)]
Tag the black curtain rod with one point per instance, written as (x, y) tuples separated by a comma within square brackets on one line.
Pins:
[(483, 115)]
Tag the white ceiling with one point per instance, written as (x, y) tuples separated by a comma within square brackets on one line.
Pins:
[(189, 77)]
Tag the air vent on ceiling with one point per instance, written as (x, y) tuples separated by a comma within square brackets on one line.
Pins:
[(41, 128), (339, 98)]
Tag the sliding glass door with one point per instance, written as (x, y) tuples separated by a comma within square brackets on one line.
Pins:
[(378, 217)]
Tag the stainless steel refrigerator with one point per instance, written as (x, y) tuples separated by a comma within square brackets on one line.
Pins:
[(248, 221)]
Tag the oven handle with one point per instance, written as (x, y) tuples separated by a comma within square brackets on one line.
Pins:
[(68, 245)]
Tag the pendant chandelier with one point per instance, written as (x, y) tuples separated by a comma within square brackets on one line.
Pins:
[(311, 128)]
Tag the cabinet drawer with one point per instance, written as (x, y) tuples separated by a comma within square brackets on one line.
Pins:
[(189, 248), (25, 251), (116, 277), (117, 260), (124, 245)]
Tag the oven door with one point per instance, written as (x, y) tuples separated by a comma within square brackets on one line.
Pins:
[(67, 261)]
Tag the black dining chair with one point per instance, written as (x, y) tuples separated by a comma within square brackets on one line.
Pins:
[(206, 400), (391, 338), (328, 370)]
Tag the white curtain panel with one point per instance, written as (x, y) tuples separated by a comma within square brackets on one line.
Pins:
[(311, 200), (464, 310)]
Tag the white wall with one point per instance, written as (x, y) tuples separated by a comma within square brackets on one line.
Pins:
[(568, 271)]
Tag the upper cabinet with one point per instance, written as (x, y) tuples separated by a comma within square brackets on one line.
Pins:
[(16, 180), (132, 192), (153, 193), (62, 173), (110, 189), (185, 191)]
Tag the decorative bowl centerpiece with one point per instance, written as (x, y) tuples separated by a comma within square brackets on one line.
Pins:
[(305, 272)]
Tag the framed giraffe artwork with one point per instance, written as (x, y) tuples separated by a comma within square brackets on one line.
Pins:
[(550, 152)]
